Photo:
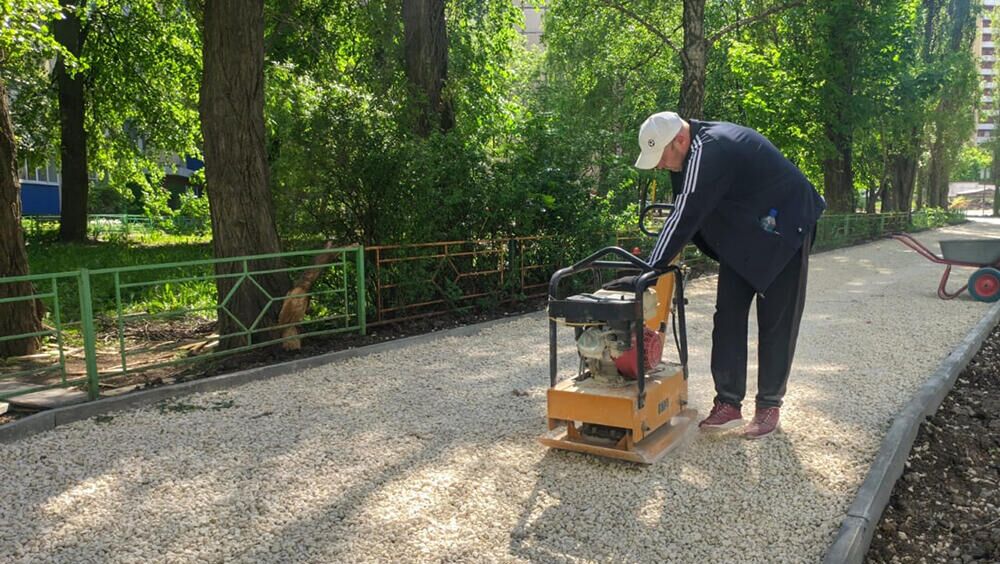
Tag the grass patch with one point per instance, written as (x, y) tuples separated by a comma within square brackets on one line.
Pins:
[(53, 257)]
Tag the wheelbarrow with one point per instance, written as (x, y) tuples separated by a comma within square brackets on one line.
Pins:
[(981, 254)]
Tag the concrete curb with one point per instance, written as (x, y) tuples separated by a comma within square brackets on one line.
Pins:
[(855, 535), (47, 420)]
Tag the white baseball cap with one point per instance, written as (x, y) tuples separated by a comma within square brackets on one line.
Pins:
[(654, 135)]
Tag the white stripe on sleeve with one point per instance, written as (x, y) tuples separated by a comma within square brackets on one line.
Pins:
[(690, 184)]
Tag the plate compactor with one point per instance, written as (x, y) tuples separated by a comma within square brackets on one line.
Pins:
[(617, 406)]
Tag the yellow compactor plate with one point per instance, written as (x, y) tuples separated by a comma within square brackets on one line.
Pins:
[(651, 432)]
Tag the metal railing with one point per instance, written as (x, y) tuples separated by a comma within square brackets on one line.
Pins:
[(165, 315), (53, 292), (421, 280), (123, 226)]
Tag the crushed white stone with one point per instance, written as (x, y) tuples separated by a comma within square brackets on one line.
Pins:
[(425, 453)]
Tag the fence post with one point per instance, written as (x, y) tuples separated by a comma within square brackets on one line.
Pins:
[(362, 299), (89, 334)]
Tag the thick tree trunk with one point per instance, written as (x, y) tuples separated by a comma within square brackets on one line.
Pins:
[(425, 46), (837, 98), (838, 170), (937, 174), (16, 318), (942, 153), (236, 170), (694, 59), (73, 140), (902, 178)]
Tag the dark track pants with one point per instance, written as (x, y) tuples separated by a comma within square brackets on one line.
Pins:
[(779, 311)]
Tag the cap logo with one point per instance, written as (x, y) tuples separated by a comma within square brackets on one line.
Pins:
[(651, 142)]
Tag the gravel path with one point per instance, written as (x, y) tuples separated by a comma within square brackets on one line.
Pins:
[(427, 454)]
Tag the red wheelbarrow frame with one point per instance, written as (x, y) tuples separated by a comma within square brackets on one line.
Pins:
[(923, 251)]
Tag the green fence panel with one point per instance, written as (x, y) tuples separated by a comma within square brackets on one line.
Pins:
[(50, 367), (112, 342)]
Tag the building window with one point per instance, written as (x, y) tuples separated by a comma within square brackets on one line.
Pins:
[(987, 65), (39, 172), (987, 36), (988, 50)]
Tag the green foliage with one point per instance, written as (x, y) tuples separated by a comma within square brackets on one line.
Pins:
[(544, 140), (193, 217), (176, 297), (24, 35), (972, 160), (930, 218), (26, 47), (141, 62), (373, 180), (144, 62)]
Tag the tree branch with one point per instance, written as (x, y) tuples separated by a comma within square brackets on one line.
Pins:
[(749, 20), (653, 55), (637, 19)]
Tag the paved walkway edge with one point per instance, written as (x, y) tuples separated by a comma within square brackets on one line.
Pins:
[(50, 419), (855, 535)]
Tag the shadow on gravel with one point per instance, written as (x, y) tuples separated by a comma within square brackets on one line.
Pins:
[(718, 498)]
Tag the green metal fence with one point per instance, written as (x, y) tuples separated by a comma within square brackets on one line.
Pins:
[(60, 335), (118, 226), (176, 325), (98, 225)]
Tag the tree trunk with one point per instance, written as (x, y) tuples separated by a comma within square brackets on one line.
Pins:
[(694, 59), (921, 189), (236, 170), (937, 174), (959, 39), (995, 165), (16, 318), (425, 45), (902, 177), (838, 173), (837, 97), (73, 139)]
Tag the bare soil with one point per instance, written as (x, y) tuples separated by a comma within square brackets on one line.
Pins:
[(946, 505)]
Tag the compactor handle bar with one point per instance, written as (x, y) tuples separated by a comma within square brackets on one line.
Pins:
[(645, 208)]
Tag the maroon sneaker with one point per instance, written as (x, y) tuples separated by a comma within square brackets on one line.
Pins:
[(765, 422), (723, 416)]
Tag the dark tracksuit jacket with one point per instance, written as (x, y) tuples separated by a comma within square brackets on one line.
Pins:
[(732, 177)]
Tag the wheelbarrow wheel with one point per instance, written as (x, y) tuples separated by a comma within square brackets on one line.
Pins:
[(984, 284)]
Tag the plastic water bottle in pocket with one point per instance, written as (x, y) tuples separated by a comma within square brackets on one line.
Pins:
[(769, 222)]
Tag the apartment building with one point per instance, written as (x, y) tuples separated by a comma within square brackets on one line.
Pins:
[(984, 48), (532, 30)]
